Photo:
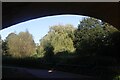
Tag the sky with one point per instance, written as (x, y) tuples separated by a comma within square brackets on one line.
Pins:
[(39, 27)]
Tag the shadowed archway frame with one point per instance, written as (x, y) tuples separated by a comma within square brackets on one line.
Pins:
[(17, 12)]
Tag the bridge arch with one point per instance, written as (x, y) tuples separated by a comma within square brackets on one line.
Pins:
[(17, 12)]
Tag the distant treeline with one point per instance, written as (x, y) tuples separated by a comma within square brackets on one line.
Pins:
[(93, 37)]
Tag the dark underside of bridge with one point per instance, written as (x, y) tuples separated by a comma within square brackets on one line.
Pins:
[(16, 12)]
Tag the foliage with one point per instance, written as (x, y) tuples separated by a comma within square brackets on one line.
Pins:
[(89, 23), (4, 48), (93, 37), (21, 45), (60, 37), (39, 51), (91, 49), (117, 77)]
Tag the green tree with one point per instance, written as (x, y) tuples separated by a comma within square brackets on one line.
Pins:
[(49, 54), (40, 51), (26, 44), (4, 48), (21, 45), (63, 38), (93, 37), (11, 41), (89, 22), (60, 37)]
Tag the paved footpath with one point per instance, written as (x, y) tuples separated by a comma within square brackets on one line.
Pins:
[(39, 73)]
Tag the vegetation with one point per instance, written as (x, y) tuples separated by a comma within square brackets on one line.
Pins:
[(94, 45), (93, 37), (117, 78), (21, 45), (60, 37)]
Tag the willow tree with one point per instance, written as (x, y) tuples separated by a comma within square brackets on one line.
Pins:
[(60, 37)]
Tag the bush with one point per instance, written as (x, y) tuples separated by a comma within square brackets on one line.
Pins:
[(117, 77)]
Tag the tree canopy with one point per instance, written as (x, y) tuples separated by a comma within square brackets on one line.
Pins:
[(21, 45), (60, 37), (93, 37)]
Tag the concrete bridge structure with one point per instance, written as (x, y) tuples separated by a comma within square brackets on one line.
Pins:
[(17, 12)]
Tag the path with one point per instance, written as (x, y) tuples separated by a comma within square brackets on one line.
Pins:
[(39, 73)]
